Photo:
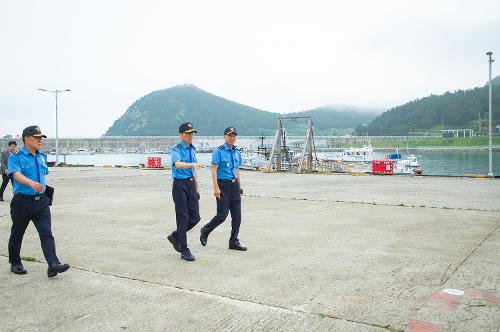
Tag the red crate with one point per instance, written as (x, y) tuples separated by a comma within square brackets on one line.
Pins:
[(154, 162), (383, 167)]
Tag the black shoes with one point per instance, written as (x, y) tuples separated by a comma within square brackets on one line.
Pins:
[(187, 256), (237, 246), (56, 268), (203, 237), (1, 198), (174, 242), (52, 271), (18, 269)]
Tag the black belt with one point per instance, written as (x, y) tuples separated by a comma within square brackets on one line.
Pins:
[(233, 180), (188, 179), (33, 197)]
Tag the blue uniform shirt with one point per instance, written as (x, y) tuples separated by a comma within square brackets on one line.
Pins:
[(229, 160), (33, 167), (184, 153)]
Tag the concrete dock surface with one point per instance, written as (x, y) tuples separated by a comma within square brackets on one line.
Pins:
[(326, 253)]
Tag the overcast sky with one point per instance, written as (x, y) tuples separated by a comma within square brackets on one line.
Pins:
[(279, 56)]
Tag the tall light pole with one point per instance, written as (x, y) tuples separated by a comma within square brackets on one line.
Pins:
[(56, 94), (490, 143)]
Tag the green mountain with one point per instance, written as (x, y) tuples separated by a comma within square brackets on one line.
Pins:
[(452, 110), (331, 120), (495, 81), (160, 113)]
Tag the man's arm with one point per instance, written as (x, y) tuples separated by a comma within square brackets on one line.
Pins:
[(239, 181), (213, 171), (176, 160), (19, 177), (238, 172), (195, 175), (181, 164), (15, 172)]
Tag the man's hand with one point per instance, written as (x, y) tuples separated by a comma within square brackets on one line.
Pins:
[(36, 186), (197, 165), (241, 191), (217, 192)]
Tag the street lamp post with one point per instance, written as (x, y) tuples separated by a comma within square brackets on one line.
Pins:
[(56, 95), (490, 143)]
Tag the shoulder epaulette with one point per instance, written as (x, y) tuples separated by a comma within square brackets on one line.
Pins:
[(221, 147)]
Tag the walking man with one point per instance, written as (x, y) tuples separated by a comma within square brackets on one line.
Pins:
[(226, 160), (185, 190), (4, 166), (28, 167)]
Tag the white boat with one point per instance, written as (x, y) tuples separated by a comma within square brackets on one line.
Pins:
[(153, 151), (406, 164), (253, 161), (363, 154), (82, 151), (206, 149), (256, 161)]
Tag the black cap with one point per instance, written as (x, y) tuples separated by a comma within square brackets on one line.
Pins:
[(33, 131), (230, 130), (187, 128)]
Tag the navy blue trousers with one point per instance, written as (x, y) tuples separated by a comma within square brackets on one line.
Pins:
[(5, 182), (187, 209), (230, 201), (22, 211)]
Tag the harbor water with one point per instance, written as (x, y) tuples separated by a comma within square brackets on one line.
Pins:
[(434, 162)]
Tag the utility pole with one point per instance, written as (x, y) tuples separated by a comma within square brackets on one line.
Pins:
[(480, 124), (56, 94), (490, 143)]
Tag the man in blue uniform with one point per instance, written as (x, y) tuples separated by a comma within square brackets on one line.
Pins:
[(226, 160), (28, 168), (185, 191)]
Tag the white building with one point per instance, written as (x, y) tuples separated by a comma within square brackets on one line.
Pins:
[(458, 133)]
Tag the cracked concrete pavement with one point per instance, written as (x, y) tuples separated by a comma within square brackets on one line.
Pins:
[(326, 252)]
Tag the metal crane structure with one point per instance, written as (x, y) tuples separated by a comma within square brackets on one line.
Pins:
[(280, 152)]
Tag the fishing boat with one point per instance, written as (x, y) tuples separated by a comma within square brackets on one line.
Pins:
[(252, 161), (363, 154), (408, 164), (155, 151), (82, 151)]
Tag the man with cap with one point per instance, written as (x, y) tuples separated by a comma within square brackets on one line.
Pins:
[(185, 190), (226, 160), (4, 166), (28, 168)]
